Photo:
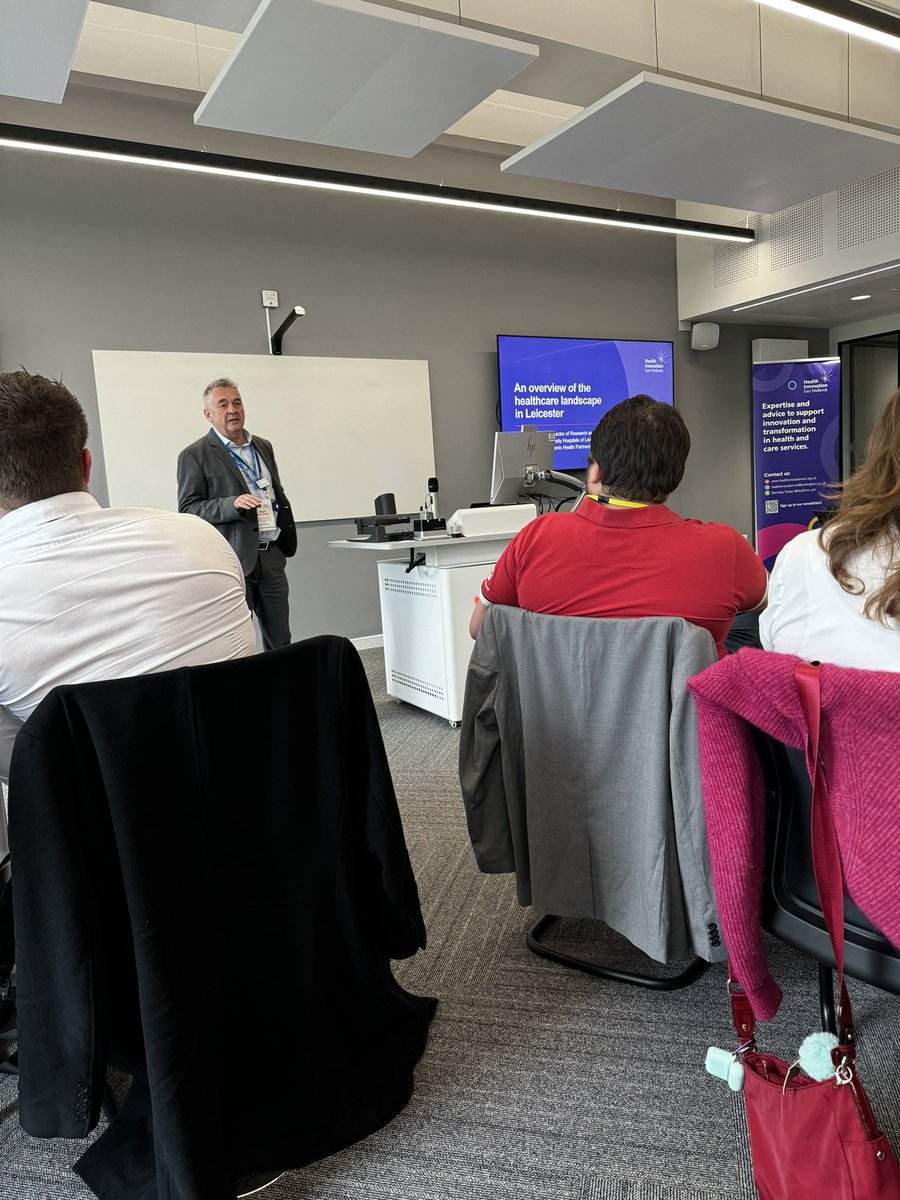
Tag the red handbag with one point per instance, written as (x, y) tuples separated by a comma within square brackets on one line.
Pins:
[(814, 1140)]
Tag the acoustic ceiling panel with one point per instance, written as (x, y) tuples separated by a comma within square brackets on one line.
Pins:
[(233, 15), (667, 137), (37, 45), (353, 74)]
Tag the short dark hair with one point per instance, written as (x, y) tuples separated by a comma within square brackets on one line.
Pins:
[(43, 432), (641, 447)]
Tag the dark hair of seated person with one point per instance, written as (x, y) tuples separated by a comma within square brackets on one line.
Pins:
[(868, 513), (43, 432), (640, 448)]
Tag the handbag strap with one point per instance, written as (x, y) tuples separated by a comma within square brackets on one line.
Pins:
[(826, 866), (825, 853)]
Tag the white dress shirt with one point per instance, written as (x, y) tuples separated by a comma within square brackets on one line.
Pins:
[(90, 593), (811, 615)]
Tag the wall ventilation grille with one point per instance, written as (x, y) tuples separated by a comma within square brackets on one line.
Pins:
[(734, 261), (795, 234), (869, 210)]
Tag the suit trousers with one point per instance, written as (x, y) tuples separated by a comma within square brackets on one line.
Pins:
[(267, 598)]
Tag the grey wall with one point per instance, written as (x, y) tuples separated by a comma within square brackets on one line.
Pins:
[(96, 256)]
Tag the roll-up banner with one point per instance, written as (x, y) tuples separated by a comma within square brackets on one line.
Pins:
[(796, 448)]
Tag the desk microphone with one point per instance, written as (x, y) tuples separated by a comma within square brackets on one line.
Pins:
[(433, 497)]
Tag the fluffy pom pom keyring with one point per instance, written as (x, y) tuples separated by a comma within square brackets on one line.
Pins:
[(815, 1055)]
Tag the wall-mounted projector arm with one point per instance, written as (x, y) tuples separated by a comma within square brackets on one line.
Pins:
[(285, 325)]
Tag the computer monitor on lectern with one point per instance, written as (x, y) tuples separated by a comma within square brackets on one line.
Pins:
[(518, 459)]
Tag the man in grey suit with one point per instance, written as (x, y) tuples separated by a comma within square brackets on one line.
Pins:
[(230, 478)]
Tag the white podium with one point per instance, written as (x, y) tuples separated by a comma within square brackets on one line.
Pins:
[(425, 611)]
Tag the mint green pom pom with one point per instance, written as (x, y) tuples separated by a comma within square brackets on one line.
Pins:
[(815, 1055)]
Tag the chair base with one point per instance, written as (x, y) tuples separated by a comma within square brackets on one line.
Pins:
[(666, 983)]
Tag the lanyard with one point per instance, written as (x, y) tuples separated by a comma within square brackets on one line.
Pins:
[(614, 502), (245, 469)]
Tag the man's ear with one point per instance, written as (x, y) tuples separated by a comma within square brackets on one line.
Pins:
[(592, 476), (208, 415), (86, 464)]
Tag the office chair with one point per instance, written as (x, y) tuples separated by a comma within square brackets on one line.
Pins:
[(791, 909), (579, 770)]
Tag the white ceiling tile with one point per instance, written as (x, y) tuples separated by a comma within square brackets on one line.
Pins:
[(233, 15), (803, 63), (210, 61), (874, 83), (667, 137), (37, 45), (513, 119), (114, 16), (217, 37), (621, 27), (144, 57), (713, 40), (354, 74)]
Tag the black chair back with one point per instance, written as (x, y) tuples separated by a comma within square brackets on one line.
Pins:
[(791, 909)]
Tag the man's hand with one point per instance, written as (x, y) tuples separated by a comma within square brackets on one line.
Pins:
[(247, 501)]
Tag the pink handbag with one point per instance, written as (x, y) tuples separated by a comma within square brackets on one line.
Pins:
[(814, 1140)]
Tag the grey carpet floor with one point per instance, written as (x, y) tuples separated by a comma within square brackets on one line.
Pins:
[(538, 1083)]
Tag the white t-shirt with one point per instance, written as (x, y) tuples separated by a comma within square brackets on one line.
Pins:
[(810, 614), (90, 593)]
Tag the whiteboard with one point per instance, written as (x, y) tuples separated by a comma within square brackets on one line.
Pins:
[(344, 430)]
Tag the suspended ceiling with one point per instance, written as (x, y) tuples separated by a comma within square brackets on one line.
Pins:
[(588, 48)]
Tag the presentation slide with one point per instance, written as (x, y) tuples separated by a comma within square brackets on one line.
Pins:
[(796, 448), (567, 384)]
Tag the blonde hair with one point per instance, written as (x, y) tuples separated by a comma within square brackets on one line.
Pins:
[(868, 514)]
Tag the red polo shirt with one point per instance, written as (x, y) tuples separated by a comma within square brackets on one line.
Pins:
[(605, 561)]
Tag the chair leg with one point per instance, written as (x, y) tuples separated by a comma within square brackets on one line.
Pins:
[(826, 998), (669, 983)]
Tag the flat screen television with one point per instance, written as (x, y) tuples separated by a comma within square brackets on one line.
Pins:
[(565, 385)]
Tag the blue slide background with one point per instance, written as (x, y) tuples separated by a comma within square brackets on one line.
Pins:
[(584, 378)]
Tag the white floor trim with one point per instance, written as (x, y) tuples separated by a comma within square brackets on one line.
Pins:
[(370, 642)]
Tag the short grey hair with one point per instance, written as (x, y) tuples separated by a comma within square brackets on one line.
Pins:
[(224, 382)]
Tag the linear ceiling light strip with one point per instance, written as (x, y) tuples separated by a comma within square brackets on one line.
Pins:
[(818, 287), (859, 20), (197, 162)]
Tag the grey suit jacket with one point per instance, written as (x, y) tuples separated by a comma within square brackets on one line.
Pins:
[(580, 771), (208, 481)]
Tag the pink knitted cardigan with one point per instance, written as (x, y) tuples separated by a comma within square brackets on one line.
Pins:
[(860, 747)]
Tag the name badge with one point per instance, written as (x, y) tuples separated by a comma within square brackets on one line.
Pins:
[(265, 515)]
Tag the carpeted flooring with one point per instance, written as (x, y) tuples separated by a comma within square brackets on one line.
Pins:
[(539, 1083)]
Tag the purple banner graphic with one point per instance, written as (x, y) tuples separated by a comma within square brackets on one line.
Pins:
[(796, 451)]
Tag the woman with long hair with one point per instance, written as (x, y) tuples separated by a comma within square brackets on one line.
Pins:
[(834, 594)]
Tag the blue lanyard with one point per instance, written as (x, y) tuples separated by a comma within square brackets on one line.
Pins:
[(254, 482)]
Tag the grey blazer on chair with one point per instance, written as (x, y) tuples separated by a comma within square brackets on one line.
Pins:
[(580, 771)]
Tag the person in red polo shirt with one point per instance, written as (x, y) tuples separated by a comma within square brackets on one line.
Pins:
[(622, 553)]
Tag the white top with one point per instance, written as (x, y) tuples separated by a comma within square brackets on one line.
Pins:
[(810, 614), (90, 593)]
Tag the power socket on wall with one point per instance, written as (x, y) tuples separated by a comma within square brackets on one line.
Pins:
[(269, 299)]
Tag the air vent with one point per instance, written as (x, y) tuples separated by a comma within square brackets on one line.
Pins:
[(411, 587), (734, 261), (796, 234), (416, 684), (869, 210)]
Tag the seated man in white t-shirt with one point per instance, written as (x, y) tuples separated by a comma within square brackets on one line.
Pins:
[(88, 593)]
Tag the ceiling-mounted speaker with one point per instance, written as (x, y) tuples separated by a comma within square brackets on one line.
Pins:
[(704, 335)]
